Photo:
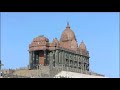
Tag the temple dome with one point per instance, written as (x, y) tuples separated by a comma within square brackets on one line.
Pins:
[(40, 38), (68, 34), (74, 45), (82, 46), (55, 41)]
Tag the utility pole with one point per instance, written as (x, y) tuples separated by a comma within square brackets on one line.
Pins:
[(0, 64)]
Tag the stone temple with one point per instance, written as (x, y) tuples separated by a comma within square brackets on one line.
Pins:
[(59, 55), (65, 52)]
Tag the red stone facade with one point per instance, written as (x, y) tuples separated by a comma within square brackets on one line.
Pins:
[(67, 40)]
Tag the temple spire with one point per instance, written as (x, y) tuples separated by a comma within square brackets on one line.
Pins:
[(82, 41), (68, 25)]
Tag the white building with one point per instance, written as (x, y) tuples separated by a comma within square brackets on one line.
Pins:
[(68, 74)]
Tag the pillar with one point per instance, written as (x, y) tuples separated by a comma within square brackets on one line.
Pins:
[(87, 67), (81, 63), (45, 57), (60, 57), (77, 61), (37, 59), (48, 59), (87, 64), (30, 60), (33, 59), (63, 58), (83, 66), (68, 63), (51, 60), (56, 57)]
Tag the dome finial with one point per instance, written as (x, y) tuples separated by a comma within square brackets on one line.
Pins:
[(82, 46), (68, 25), (82, 41)]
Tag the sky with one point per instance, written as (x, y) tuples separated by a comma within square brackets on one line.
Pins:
[(98, 30)]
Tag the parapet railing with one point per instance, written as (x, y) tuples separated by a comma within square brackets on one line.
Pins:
[(13, 76), (59, 68)]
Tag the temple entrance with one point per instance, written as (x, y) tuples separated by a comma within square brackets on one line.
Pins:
[(41, 57), (35, 59)]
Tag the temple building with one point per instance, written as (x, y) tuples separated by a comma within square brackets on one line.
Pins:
[(65, 52)]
